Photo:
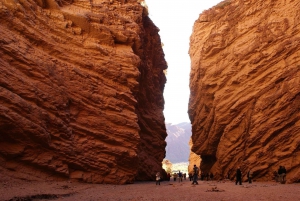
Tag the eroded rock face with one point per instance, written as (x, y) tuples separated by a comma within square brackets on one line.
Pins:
[(81, 88), (194, 159), (245, 88)]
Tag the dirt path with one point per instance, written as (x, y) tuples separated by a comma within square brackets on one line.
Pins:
[(15, 189)]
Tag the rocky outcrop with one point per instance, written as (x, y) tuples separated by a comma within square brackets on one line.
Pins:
[(245, 87), (194, 159), (81, 90)]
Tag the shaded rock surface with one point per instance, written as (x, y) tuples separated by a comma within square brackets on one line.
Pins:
[(245, 88), (81, 90)]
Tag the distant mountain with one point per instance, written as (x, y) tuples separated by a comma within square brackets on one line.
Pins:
[(178, 149)]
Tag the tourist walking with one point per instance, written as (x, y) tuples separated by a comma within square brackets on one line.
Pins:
[(207, 176), (191, 176), (249, 176), (283, 174), (229, 173), (238, 176), (195, 175), (202, 176), (179, 176), (168, 176), (280, 173), (157, 178), (211, 176), (175, 176), (276, 176)]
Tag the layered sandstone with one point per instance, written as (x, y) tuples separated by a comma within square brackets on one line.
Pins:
[(245, 87), (194, 159), (81, 90)]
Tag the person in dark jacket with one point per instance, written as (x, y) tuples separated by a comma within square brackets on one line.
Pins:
[(207, 176), (191, 176), (180, 176), (211, 176), (168, 176), (195, 175), (280, 173), (283, 173), (238, 176), (202, 176)]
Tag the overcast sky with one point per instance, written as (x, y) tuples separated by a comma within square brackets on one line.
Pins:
[(175, 19)]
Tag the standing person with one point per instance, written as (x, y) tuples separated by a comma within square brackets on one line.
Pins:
[(249, 175), (157, 178), (283, 173), (211, 176), (228, 174), (275, 175), (238, 176), (168, 176), (184, 176), (180, 176), (280, 173), (202, 176), (207, 176), (175, 176), (195, 174), (191, 176)]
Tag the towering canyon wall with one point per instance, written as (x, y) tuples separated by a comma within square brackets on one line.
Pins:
[(81, 90), (245, 88)]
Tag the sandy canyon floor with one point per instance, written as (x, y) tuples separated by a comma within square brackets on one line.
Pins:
[(25, 190)]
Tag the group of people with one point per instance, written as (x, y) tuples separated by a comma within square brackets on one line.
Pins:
[(280, 176), (203, 176), (207, 176), (239, 176), (180, 176)]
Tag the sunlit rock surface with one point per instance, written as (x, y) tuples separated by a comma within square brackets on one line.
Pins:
[(194, 159), (245, 88), (81, 90)]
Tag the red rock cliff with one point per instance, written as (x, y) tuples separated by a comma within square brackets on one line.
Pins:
[(81, 90), (245, 87)]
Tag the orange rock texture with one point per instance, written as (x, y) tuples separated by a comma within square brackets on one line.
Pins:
[(245, 88), (194, 159), (81, 90)]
